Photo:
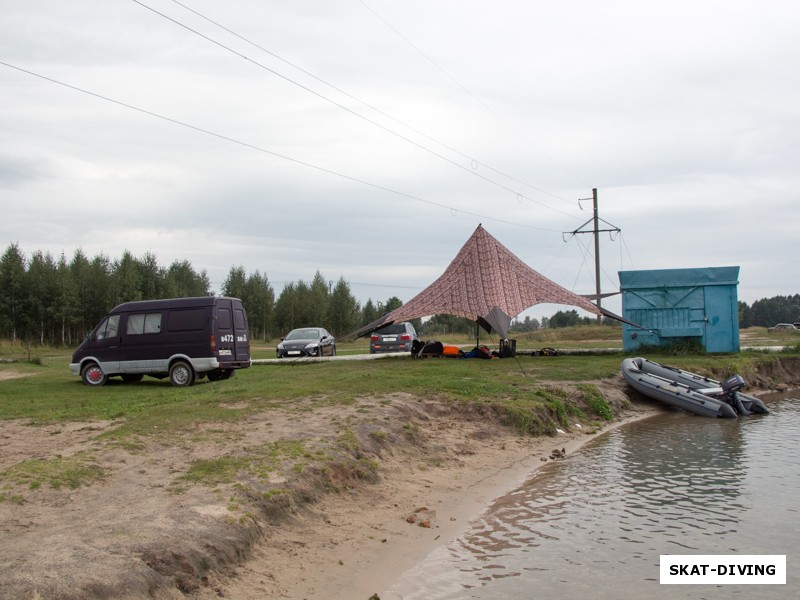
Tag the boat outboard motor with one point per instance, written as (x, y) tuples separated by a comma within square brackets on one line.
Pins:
[(732, 384), (729, 387)]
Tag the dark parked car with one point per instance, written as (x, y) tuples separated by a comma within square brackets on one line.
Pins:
[(397, 337), (307, 341)]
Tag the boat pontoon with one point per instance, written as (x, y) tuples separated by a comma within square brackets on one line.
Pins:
[(689, 391)]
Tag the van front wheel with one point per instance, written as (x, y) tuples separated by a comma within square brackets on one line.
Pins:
[(181, 374), (93, 375)]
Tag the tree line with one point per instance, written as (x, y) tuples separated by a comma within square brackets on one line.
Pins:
[(769, 311), (58, 301)]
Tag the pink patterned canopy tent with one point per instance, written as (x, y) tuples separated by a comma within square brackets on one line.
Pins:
[(485, 283)]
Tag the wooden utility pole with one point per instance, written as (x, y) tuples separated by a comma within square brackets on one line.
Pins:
[(596, 231)]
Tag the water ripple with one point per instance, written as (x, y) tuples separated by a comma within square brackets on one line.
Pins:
[(673, 484)]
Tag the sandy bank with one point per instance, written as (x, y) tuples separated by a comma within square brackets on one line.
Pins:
[(350, 546), (381, 482), (320, 500)]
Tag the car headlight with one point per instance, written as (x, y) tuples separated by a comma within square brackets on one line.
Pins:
[(280, 346), (312, 345)]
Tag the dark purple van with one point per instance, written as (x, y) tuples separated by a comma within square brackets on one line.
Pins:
[(179, 338)]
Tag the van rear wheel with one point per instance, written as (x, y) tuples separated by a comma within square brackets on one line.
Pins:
[(181, 374), (93, 375)]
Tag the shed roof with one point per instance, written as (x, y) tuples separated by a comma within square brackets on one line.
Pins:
[(678, 277)]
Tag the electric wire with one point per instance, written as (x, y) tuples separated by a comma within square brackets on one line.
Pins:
[(585, 254), (263, 150), (627, 250), (474, 97), (608, 276), (554, 256), (473, 161), (347, 109)]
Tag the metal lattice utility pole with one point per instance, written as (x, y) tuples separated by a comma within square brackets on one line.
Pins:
[(595, 220)]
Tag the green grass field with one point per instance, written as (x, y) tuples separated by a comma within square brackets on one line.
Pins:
[(534, 394), (49, 393)]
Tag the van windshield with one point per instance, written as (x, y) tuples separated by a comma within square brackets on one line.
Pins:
[(108, 328)]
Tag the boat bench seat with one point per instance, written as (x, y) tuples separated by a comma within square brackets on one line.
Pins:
[(713, 391)]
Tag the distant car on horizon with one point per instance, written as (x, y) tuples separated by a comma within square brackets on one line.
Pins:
[(781, 327), (307, 341), (397, 337)]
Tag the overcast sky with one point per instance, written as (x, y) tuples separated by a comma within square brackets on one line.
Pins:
[(367, 140)]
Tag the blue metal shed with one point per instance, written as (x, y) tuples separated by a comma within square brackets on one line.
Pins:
[(676, 304)]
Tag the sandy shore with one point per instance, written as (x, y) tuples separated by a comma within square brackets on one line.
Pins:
[(332, 501), (353, 545), (139, 531)]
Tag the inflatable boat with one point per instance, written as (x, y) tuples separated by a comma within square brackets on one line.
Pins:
[(689, 391)]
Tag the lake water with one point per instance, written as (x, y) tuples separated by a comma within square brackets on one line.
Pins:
[(595, 524)]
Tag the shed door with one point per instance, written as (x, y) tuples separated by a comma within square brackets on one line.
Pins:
[(722, 329)]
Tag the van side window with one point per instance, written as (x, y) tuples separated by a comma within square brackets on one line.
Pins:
[(193, 319), (144, 323), (224, 319), (108, 328)]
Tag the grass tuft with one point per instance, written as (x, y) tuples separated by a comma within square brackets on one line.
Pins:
[(596, 402), (59, 472)]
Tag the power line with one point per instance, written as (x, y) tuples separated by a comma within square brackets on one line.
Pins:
[(473, 161), (474, 97), (226, 138), (349, 110)]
